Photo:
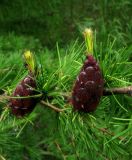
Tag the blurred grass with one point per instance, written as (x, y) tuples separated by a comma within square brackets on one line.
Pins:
[(62, 21)]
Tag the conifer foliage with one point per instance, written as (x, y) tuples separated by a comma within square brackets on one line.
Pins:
[(47, 124), (104, 133)]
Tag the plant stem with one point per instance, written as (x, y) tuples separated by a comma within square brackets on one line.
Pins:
[(51, 106), (122, 90), (67, 96), (107, 92)]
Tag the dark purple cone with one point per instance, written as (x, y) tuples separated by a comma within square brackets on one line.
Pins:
[(22, 106), (88, 87)]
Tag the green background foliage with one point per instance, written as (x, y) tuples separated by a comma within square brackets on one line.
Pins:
[(61, 21), (52, 30)]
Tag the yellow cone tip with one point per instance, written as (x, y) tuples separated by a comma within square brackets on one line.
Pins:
[(29, 59), (88, 32), (88, 35)]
